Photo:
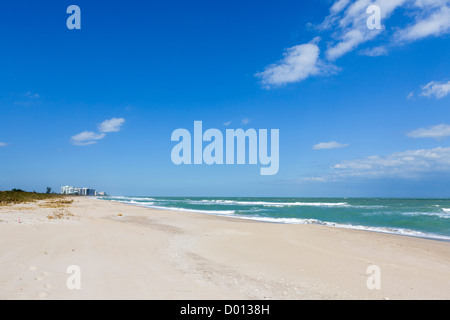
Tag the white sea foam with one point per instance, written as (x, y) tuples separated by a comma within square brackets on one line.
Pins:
[(445, 213), (142, 199), (133, 202), (397, 231), (152, 206), (134, 198), (270, 204), (217, 212)]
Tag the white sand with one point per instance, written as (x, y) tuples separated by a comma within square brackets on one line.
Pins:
[(156, 254)]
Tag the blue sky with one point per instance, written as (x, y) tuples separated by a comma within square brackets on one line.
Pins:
[(361, 112)]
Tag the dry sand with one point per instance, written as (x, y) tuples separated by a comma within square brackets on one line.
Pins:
[(128, 252)]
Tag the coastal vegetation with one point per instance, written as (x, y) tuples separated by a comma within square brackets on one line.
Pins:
[(17, 196)]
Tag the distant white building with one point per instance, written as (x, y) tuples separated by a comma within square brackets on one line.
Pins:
[(70, 190), (84, 191), (80, 191)]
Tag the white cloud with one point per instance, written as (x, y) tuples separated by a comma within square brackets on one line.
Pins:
[(348, 20), (86, 138), (329, 145), (28, 99), (435, 24), (350, 40), (436, 132), (406, 164), (338, 6), (411, 164), (347, 29), (112, 125), (331, 19), (31, 95), (435, 89), (375, 52), (350, 25), (299, 63), (3, 144), (430, 3), (245, 121), (227, 123), (315, 179)]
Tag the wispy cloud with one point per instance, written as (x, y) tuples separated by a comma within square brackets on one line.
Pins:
[(428, 22), (435, 89), (299, 63), (349, 24), (375, 52), (28, 99), (86, 138), (227, 123), (329, 145), (436, 132), (411, 164), (245, 121), (405, 164), (112, 125), (346, 30), (31, 95), (3, 144)]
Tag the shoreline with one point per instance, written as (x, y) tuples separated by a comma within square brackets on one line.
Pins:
[(133, 252), (430, 236)]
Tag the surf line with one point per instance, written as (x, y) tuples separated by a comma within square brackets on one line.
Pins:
[(235, 147)]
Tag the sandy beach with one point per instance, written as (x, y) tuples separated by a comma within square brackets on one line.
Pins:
[(130, 252)]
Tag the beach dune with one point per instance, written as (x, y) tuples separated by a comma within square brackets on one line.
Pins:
[(116, 251)]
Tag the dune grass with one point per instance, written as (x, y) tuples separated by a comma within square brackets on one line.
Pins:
[(17, 197), (55, 203), (60, 213)]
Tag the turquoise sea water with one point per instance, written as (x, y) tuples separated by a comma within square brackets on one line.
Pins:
[(429, 218)]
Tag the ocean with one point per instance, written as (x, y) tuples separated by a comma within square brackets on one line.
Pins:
[(427, 218)]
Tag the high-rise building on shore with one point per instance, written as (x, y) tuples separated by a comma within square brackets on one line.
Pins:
[(81, 191), (70, 190)]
